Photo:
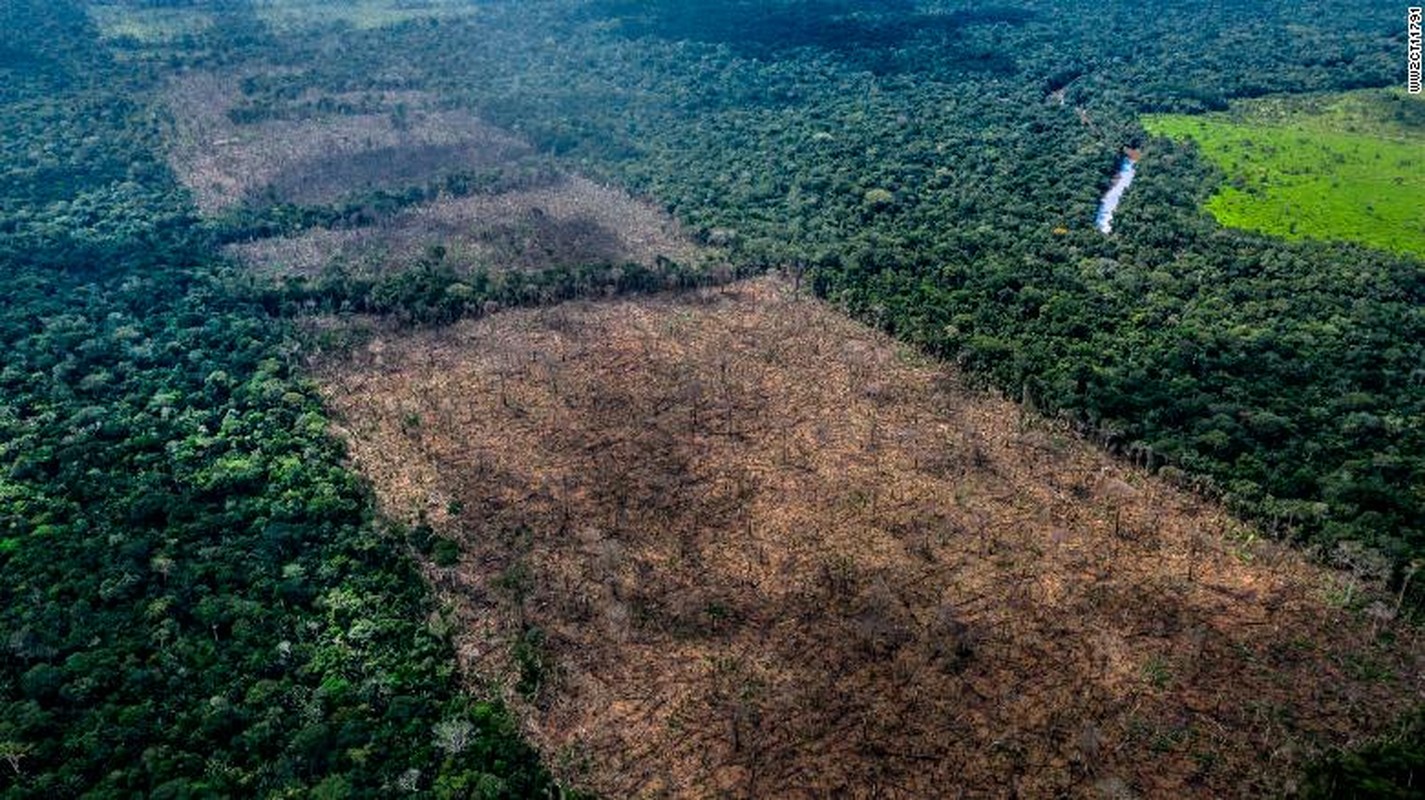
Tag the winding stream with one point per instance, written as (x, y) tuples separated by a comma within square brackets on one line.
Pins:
[(1109, 203)]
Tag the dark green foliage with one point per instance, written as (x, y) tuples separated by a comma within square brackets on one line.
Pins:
[(434, 293), (194, 600), (529, 655), (445, 553), (873, 35), (1393, 769)]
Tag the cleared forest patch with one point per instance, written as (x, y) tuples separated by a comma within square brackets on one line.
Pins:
[(321, 148), (148, 25), (571, 221), (730, 543), (318, 158), (286, 14)]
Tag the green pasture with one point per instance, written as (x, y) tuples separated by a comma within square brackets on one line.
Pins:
[(1347, 167)]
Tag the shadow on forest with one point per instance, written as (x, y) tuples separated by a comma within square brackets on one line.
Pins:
[(336, 175), (872, 35), (538, 240)]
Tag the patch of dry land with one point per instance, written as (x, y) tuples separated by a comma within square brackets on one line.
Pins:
[(288, 14), (315, 158), (571, 221), (149, 25), (328, 148), (730, 543)]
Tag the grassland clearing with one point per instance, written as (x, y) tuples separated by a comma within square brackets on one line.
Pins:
[(730, 543), (1341, 167)]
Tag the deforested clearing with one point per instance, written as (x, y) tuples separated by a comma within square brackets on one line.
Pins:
[(730, 543), (334, 148), (568, 221), (361, 14), (323, 148)]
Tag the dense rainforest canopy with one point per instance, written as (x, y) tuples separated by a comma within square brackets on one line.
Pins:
[(195, 596), (195, 600)]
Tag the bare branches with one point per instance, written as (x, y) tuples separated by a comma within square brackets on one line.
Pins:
[(765, 551)]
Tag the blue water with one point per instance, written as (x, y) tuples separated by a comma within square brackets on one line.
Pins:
[(1106, 207)]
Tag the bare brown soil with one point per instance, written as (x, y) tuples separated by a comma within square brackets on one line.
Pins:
[(317, 158), (772, 554), (334, 146), (570, 222)]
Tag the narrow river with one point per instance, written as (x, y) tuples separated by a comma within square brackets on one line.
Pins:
[(1106, 207)]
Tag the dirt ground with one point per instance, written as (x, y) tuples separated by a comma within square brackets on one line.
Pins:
[(732, 544), (325, 148), (387, 140), (569, 221)]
